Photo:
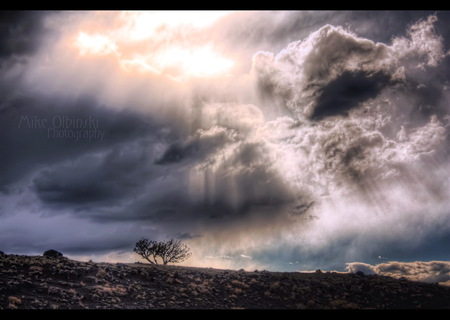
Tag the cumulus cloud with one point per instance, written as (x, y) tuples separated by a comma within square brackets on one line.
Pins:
[(330, 62), (430, 271), (316, 82), (423, 47), (333, 70)]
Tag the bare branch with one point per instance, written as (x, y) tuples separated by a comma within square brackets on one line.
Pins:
[(171, 251)]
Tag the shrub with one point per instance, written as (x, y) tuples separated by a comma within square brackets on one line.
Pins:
[(171, 251), (52, 254)]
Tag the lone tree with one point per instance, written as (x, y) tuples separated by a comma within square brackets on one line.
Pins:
[(169, 251)]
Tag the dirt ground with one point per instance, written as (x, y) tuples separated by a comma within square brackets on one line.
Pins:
[(40, 282)]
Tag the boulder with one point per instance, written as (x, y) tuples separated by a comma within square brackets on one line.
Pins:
[(52, 254)]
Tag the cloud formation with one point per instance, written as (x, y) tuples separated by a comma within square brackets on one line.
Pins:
[(334, 70), (431, 271), (317, 144)]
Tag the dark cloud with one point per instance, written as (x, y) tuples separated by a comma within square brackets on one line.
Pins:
[(195, 146), (38, 130), (185, 236), (220, 189), (99, 177), (347, 92), (21, 32)]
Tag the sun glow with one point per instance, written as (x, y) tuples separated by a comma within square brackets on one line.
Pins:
[(197, 62), (96, 44), (143, 25), (170, 43)]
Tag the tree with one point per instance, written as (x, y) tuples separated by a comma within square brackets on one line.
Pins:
[(172, 251)]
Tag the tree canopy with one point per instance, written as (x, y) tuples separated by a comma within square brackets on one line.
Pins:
[(170, 251)]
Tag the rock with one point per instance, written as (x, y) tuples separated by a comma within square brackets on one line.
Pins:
[(25, 282), (2, 253), (52, 254)]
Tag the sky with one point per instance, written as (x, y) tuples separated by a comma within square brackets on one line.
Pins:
[(277, 140)]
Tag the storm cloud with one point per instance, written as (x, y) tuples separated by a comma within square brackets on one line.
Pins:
[(313, 137)]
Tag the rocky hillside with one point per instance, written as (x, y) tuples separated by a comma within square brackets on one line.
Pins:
[(55, 282)]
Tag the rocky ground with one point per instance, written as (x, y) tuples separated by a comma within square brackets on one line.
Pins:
[(42, 282)]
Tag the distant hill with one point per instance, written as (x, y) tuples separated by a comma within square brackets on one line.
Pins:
[(51, 282)]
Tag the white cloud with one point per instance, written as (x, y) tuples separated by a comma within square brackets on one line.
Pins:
[(430, 271), (423, 47)]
